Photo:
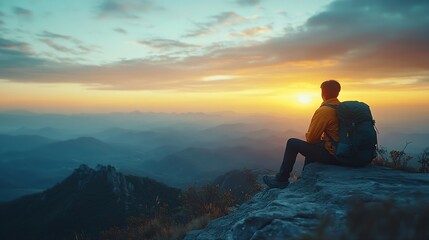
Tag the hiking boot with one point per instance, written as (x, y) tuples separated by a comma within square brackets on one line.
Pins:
[(273, 182)]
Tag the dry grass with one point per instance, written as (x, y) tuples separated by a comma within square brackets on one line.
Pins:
[(199, 207), (399, 160)]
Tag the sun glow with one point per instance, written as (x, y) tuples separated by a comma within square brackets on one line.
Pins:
[(304, 98)]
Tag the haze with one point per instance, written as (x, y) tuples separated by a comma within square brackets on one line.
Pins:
[(142, 84)]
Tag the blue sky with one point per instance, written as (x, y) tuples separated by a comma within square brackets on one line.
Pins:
[(106, 31)]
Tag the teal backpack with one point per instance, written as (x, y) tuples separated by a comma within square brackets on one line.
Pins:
[(358, 139)]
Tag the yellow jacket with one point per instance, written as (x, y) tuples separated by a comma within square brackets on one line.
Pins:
[(324, 120)]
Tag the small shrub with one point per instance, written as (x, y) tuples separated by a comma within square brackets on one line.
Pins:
[(137, 228), (198, 207), (253, 187), (400, 159), (424, 161), (207, 200)]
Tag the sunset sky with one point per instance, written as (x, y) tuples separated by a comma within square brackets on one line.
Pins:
[(266, 56)]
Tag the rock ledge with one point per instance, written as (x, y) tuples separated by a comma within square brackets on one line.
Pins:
[(322, 189)]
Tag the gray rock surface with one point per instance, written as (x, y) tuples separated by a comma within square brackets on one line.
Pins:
[(322, 189)]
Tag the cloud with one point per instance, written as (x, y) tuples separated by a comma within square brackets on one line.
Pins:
[(164, 44), (76, 43), (201, 30), (22, 12), (227, 18), (369, 38), (124, 8), (14, 46), (59, 36), (1, 16), (222, 19), (248, 2), (58, 47), (120, 30), (85, 49), (16, 57), (369, 35), (250, 32), (354, 40)]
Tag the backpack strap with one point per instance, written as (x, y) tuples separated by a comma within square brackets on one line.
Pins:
[(329, 137), (330, 105)]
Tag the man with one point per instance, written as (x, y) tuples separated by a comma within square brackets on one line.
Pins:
[(323, 129)]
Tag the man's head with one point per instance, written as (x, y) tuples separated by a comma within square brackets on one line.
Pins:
[(330, 89)]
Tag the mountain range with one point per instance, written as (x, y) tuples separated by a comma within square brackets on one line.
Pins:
[(192, 165), (39, 167), (177, 149), (22, 142), (179, 156)]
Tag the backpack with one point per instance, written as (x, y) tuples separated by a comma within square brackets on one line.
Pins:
[(357, 144)]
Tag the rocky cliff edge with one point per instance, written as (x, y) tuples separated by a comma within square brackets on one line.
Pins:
[(321, 191)]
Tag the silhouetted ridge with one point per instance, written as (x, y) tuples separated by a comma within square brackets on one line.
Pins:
[(88, 201), (85, 175), (81, 143)]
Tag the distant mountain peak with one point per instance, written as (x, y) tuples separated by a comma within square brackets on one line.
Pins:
[(105, 168), (78, 146), (84, 139), (83, 170), (107, 175)]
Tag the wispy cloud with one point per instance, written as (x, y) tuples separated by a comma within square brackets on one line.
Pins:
[(58, 47), (222, 19), (1, 16), (164, 44), (120, 30), (14, 46), (124, 8), (248, 2), (201, 30), (49, 37), (16, 58), (227, 18), (60, 36), (249, 32), (22, 12)]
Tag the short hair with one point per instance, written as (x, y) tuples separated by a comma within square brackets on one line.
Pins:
[(330, 89)]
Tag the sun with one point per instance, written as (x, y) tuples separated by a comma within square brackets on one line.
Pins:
[(304, 98)]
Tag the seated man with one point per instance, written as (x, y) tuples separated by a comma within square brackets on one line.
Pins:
[(318, 148)]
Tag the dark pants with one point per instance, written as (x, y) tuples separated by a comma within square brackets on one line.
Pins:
[(311, 152)]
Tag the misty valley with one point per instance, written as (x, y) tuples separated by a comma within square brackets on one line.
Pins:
[(78, 176), (181, 150)]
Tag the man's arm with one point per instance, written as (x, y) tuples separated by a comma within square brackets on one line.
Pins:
[(317, 126)]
